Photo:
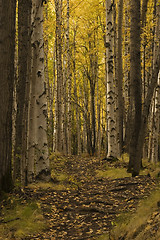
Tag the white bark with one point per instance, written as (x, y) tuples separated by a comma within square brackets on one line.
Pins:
[(150, 128), (99, 131), (38, 111), (156, 116), (156, 128), (112, 149), (31, 134)]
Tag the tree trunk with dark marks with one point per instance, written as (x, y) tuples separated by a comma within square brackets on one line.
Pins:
[(38, 160)]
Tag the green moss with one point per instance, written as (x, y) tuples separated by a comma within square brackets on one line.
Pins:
[(48, 185), (149, 167), (56, 156), (113, 173), (20, 219)]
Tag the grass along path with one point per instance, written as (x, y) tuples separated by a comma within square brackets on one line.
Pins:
[(82, 202)]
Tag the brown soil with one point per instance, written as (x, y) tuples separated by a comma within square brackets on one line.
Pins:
[(90, 206)]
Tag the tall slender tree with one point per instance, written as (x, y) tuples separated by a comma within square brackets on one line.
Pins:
[(153, 80), (156, 124), (27, 94), (126, 71), (59, 140), (49, 83), (38, 106), (120, 77), (24, 7), (136, 157), (135, 78), (91, 72), (111, 120), (69, 77), (7, 50), (78, 128)]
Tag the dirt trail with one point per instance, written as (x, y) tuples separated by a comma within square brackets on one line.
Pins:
[(90, 206)]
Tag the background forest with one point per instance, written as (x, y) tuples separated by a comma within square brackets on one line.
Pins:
[(77, 77)]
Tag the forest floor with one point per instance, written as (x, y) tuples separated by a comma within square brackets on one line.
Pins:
[(86, 201)]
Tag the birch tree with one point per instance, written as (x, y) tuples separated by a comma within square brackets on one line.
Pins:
[(156, 124), (111, 121), (50, 85), (156, 114), (38, 104)]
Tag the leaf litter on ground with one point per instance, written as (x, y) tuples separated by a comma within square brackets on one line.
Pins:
[(83, 204)]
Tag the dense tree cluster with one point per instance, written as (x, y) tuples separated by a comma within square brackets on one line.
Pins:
[(77, 77)]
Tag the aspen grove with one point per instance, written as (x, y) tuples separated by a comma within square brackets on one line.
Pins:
[(77, 78)]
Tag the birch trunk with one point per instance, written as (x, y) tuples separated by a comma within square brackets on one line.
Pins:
[(99, 131), (156, 112), (111, 121), (156, 128), (38, 98)]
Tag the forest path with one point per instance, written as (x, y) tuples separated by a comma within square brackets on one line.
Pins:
[(89, 204)]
